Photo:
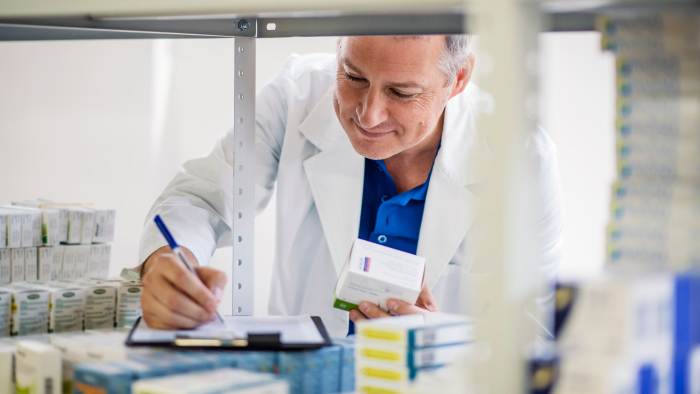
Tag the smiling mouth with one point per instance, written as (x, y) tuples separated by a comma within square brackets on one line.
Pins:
[(370, 135)]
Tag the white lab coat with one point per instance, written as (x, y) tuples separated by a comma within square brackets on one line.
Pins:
[(301, 146)]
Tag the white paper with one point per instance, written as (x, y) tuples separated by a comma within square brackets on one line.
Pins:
[(292, 329)]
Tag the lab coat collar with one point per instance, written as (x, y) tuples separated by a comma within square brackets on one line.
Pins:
[(336, 179), (450, 207)]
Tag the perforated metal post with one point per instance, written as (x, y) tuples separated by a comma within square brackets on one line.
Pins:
[(244, 177)]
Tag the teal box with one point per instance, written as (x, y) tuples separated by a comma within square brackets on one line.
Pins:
[(114, 377), (312, 374), (258, 361), (172, 362), (330, 358), (291, 368), (347, 363)]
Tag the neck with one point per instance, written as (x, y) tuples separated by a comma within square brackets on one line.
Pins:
[(411, 167)]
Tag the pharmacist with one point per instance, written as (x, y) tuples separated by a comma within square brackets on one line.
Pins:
[(377, 142)]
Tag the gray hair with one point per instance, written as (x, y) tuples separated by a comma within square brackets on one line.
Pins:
[(454, 56)]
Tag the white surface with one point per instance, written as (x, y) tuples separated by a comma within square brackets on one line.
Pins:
[(116, 101), (292, 329)]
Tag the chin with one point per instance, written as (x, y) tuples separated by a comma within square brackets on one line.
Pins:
[(372, 150)]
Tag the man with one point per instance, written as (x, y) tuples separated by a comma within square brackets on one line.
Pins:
[(378, 142)]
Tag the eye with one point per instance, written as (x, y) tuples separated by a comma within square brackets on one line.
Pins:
[(401, 95), (354, 79)]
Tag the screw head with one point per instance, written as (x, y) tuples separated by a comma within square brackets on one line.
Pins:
[(243, 25)]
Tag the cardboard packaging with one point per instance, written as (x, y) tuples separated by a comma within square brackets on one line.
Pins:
[(70, 255), (100, 304), (57, 262), (5, 266), (376, 273), (30, 309), (105, 261), (17, 270), (38, 368), (54, 220), (31, 264), (45, 263), (13, 229), (31, 225), (67, 306), (94, 265), (7, 367), (5, 313), (220, 381), (81, 262)]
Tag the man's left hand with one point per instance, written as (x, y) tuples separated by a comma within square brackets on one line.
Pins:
[(424, 304)]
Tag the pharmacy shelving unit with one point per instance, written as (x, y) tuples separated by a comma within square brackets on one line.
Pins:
[(508, 57)]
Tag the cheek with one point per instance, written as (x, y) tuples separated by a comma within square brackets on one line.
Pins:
[(347, 96), (416, 118)]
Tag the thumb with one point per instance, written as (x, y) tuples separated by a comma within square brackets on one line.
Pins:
[(426, 300), (214, 279)]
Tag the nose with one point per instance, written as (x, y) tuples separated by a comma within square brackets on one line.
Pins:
[(371, 111)]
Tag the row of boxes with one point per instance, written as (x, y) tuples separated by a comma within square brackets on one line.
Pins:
[(29, 308), (655, 207), (43, 222), (99, 362), (62, 262)]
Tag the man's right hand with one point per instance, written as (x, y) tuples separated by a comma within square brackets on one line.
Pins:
[(174, 297)]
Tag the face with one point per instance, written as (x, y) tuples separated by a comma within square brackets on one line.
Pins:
[(390, 93)]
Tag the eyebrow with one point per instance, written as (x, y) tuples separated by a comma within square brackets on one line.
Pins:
[(407, 84)]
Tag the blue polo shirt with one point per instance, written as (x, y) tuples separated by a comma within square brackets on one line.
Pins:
[(388, 218)]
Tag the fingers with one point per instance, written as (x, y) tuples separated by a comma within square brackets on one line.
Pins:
[(356, 316), (426, 300), (158, 315), (404, 308), (214, 279), (176, 301), (372, 311), (175, 272)]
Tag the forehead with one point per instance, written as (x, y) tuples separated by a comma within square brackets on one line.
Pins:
[(408, 55)]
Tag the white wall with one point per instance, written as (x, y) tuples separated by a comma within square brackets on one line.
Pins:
[(111, 121)]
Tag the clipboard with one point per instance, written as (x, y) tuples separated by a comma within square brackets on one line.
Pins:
[(264, 339)]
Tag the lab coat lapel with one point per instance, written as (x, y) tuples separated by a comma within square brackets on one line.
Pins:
[(450, 208), (336, 179)]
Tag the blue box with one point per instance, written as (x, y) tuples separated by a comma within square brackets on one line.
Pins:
[(347, 363), (687, 327), (114, 377), (292, 366), (330, 358)]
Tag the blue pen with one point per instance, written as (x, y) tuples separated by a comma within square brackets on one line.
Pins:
[(176, 249)]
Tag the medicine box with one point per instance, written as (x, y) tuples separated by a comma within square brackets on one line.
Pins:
[(45, 263), (94, 264), (38, 368), (218, 381), (70, 255), (54, 220), (5, 313), (7, 367), (376, 273), (100, 304), (67, 306), (347, 363), (5, 266), (17, 269), (30, 309), (13, 229), (81, 261), (31, 263), (57, 262), (113, 377), (105, 261)]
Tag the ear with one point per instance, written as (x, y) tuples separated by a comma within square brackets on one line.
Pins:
[(463, 77)]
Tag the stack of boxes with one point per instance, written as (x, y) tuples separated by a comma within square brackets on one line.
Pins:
[(656, 200), (390, 353), (42, 240), (99, 362), (615, 335)]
